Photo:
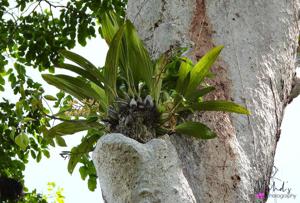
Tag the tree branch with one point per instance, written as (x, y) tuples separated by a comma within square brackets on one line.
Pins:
[(52, 5)]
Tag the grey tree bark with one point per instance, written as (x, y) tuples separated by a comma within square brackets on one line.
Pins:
[(256, 69)]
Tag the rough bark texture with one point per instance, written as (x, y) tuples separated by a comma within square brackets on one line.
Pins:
[(133, 172), (255, 69)]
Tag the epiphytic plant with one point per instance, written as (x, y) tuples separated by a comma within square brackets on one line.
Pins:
[(132, 94)]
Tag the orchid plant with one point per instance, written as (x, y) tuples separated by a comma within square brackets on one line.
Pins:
[(133, 94)]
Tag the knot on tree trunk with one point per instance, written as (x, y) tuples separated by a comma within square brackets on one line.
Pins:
[(130, 171)]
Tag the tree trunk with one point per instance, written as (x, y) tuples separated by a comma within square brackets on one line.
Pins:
[(256, 69)]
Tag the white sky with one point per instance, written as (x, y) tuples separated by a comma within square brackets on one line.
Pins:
[(287, 154), (37, 175)]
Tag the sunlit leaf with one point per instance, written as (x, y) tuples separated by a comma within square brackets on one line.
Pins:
[(110, 25), (201, 69), (22, 140), (185, 68), (19, 107)]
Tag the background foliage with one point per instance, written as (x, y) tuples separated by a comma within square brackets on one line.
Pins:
[(31, 34)]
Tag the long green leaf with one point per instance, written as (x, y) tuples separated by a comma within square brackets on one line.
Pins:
[(71, 127), (220, 105), (110, 25), (184, 69), (201, 69), (84, 63), (102, 94), (79, 88), (139, 61), (128, 53), (80, 71), (195, 129), (160, 66), (81, 61), (112, 63), (185, 84), (69, 87)]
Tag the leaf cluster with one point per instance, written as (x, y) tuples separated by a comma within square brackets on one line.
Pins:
[(21, 126), (129, 74), (132, 82), (33, 32)]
